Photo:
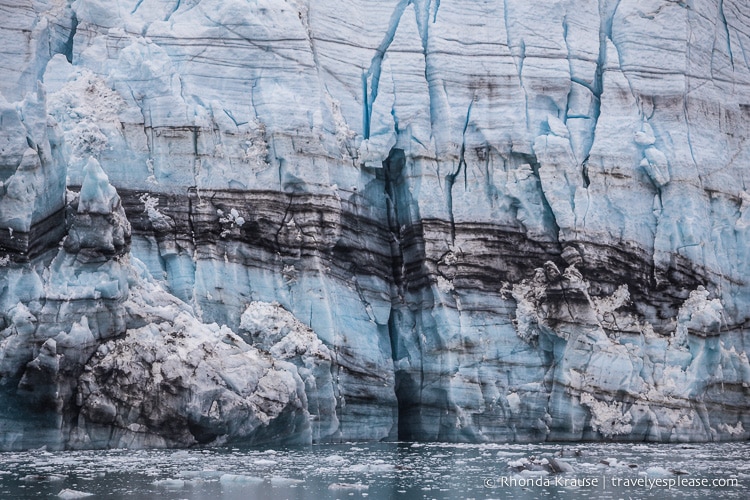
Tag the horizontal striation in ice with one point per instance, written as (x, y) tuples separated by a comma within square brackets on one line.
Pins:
[(496, 221)]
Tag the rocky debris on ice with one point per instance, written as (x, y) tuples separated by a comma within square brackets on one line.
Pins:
[(146, 373), (272, 329), (662, 374), (180, 382)]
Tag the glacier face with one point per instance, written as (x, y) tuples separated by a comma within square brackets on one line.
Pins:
[(434, 220)]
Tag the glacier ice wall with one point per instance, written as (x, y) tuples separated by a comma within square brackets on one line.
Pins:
[(99, 355), (486, 221)]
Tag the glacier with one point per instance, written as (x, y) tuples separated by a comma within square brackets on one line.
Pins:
[(294, 221)]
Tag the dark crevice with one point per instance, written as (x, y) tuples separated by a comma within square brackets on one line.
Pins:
[(177, 6), (570, 67), (535, 166), (138, 4), (395, 190), (370, 91), (288, 209), (68, 47), (605, 32), (585, 172), (598, 86), (407, 261), (234, 120), (203, 432), (406, 388), (723, 20), (450, 179), (366, 108)]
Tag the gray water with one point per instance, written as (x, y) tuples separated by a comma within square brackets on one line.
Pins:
[(384, 471)]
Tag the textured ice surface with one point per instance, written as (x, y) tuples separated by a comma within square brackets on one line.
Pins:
[(492, 221), (104, 357)]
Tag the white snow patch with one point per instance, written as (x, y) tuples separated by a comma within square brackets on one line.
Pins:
[(607, 418), (232, 219), (444, 285), (736, 430)]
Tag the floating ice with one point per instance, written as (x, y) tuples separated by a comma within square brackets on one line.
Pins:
[(239, 479), (68, 494)]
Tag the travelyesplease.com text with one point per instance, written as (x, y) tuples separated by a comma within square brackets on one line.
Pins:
[(612, 482)]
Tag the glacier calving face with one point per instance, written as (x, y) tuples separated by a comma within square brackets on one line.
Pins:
[(104, 357), (417, 219)]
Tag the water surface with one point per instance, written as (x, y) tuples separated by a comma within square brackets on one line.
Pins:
[(385, 471)]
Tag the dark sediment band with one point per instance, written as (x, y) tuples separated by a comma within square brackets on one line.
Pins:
[(353, 238), (43, 236)]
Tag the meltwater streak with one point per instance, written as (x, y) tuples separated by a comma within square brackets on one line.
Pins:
[(386, 470)]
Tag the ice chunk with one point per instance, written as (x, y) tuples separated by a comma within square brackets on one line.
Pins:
[(68, 494), (170, 483), (97, 196), (240, 479)]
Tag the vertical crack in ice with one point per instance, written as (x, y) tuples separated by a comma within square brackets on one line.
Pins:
[(68, 47), (564, 289), (518, 53), (686, 114), (440, 112), (585, 173), (450, 179), (283, 223), (744, 54), (194, 130), (393, 172), (686, 97), (362, 299), (371, 78), (533, 162), (521, 59), (517, 58), (148, 131), (434, 15), (422, 12), (598, 85), (391, 175), (570, 66), (394, 115), (169, 15), (723, 20), (191, 219), (366, 108), (584, 164), (405, 328), (137, 5), (304, 17)]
